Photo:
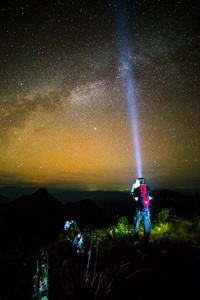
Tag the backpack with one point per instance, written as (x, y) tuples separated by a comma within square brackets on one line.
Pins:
[(144, 198)]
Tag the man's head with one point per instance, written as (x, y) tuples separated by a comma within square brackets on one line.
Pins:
[(138, 182), (141, 181)]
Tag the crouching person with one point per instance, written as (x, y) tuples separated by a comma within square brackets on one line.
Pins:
[(143, 203)]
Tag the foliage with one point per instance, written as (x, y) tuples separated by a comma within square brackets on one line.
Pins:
[(96, 270), (163, 215), (103, 236), (122, 226), (174, 229), (164, 228)]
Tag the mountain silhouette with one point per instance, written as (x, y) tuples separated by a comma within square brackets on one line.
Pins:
[(40, 217), (179, 204), (113, 204), (85, 212), (4, 199), (38, 200)]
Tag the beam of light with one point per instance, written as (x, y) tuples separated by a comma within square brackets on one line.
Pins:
[(128, 80)]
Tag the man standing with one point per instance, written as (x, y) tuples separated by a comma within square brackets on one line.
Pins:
[(143, 203)]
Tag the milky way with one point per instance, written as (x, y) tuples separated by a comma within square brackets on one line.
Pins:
[(64, 117)]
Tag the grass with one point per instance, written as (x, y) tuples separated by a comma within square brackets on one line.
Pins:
[(173, 229), (108, 260), (164, 228), (109, 256)]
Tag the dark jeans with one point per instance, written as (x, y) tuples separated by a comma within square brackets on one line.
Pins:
[(147, 222)]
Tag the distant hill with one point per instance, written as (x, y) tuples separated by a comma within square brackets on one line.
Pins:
[(40, 198), (39, 217), (85, 212), (4, 199), (113, 203), (179, 204), (116, 204)]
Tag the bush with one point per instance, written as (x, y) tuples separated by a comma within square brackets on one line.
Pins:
[(122, 226), (163, 215)]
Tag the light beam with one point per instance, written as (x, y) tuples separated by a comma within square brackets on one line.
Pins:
[(128, 80)]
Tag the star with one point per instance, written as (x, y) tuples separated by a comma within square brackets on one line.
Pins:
[(64, 116)]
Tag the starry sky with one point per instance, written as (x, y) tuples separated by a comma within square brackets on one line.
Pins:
[(64, 116)]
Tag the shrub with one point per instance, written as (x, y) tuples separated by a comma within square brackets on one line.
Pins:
[(163, 215)]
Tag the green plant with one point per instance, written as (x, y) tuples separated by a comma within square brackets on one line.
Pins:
[(123, 224), (176, 230), (123, 227), (95, 271), (163, 215)]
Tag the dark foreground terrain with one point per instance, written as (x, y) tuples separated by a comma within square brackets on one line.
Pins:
[(161, 271), (112, 267)]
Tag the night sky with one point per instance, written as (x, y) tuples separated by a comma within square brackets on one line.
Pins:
[(64, 116)]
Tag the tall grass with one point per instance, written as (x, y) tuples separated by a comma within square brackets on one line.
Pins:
[(166, 227), (91, 274)]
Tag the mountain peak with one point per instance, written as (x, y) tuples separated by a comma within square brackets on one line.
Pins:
[(41, 191)]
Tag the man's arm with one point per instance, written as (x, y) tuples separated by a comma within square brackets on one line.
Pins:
[(135, 197)]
